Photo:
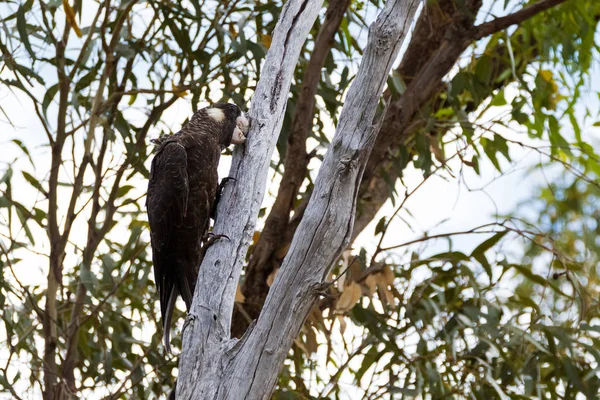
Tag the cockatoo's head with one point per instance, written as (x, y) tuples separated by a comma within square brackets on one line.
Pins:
[(233, 121)]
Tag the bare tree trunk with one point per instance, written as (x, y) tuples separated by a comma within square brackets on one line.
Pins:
[(262, 261), (212, 364), (206, 339)]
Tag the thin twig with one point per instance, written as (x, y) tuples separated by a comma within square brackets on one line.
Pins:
[(498, 24)]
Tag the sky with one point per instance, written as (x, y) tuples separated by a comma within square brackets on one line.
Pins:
[(443, 204)]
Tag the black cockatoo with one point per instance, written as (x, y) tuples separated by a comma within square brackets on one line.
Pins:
[(181, 192)]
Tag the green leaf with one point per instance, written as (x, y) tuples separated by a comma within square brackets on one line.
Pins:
[(122, 126), (22, 28), (454, 256), (489, 147), (50, 93), (556, 139), (33, 182), (132, 99), (540, 280), (88, 78), (458, 84), (23, 219), (499, 99), (370, 358), (475, 162), (39, 215), (525, 301), (123, 190), (483, 69), (575, 125), (25, 71), (380, 226), (7, 175), (396, 83), (256, 50), (482, 259), (24, 149), (489, 243), (181, 36), (424, 160), (573, 374), (502, 146)]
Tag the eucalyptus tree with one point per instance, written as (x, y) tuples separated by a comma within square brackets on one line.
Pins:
[(102, 78)]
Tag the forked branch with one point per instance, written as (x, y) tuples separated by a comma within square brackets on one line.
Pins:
[(326, 227)]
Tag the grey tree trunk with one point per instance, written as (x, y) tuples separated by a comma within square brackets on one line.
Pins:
[(213, 365)]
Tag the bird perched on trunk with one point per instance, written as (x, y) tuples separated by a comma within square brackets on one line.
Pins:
[(181, 192)]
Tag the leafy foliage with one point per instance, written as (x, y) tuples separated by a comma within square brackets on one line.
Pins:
[(78, 303)]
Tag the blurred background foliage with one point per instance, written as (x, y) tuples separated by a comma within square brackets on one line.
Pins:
[(515, 315)]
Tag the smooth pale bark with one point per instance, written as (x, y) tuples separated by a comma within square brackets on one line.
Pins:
[(327, 223), (206, 336), (212, 365)]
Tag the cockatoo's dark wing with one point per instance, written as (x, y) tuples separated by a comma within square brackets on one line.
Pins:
[(166, 204)]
